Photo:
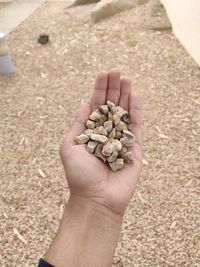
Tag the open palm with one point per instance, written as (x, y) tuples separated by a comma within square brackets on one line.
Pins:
[(88, 177)]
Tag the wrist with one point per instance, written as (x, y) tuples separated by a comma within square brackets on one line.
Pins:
[(87, 236), (94, 211)]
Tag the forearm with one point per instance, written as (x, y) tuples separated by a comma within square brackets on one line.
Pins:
[(87, 236)]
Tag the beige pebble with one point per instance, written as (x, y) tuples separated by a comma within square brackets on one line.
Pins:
[(126, 118), (116, 144), (117, 164), (112, 134), (100, 130), (110, 104), (128, 134), (112, 157), (119, 111), (88, 132), (99, 138), (95, 115), (121, 126), (116, 119), (123, 151), (91, 145), (126, 141), (108, 125), (113, 109), (97, 124), (102, 119), (81, 139), (104, 109), (118, 135), (90, 124), (128, 157), (110, 116), (98, 152), (107, 149), (107, 135)]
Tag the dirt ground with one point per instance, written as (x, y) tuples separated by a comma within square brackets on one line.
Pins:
[(38, 104), (3, 5)]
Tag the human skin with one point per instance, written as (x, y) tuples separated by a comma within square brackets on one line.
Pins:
[(93, 216)]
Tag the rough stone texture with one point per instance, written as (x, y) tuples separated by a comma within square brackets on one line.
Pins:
[(104, 109), (107, 8), (90, 124), (110, 116), (107, 134), (118, 135), (117, 164), (99, 138), (103, 118), (127, 141), (113, 157), (98, 152), (82, 139), (128, 138), (88, 132), (128, 134), (117, 144), (91, 145), (121, 126), (107, 149), (108, 125), (95, 116), (116, 119), (112, 134), (120, 112), (39, 103), (128, 157), (126, 118), (123, 151), (100, 130), (110, 104)]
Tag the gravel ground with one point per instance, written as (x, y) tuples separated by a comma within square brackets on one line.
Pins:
[(3, 5), (38, 104)]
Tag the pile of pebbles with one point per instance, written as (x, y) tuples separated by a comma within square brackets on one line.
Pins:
[(107, 135)]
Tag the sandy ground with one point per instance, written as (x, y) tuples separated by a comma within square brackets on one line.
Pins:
[(2, 5), (38, 104)]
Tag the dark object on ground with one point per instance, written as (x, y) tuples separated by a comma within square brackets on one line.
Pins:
[(43, 39)]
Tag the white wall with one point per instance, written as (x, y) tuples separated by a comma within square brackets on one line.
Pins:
[(185, 18)]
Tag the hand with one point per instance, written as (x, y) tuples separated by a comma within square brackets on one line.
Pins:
[(88, 177), (92, 218)]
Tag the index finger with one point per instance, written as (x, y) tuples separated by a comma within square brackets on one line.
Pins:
[(100, 91)]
